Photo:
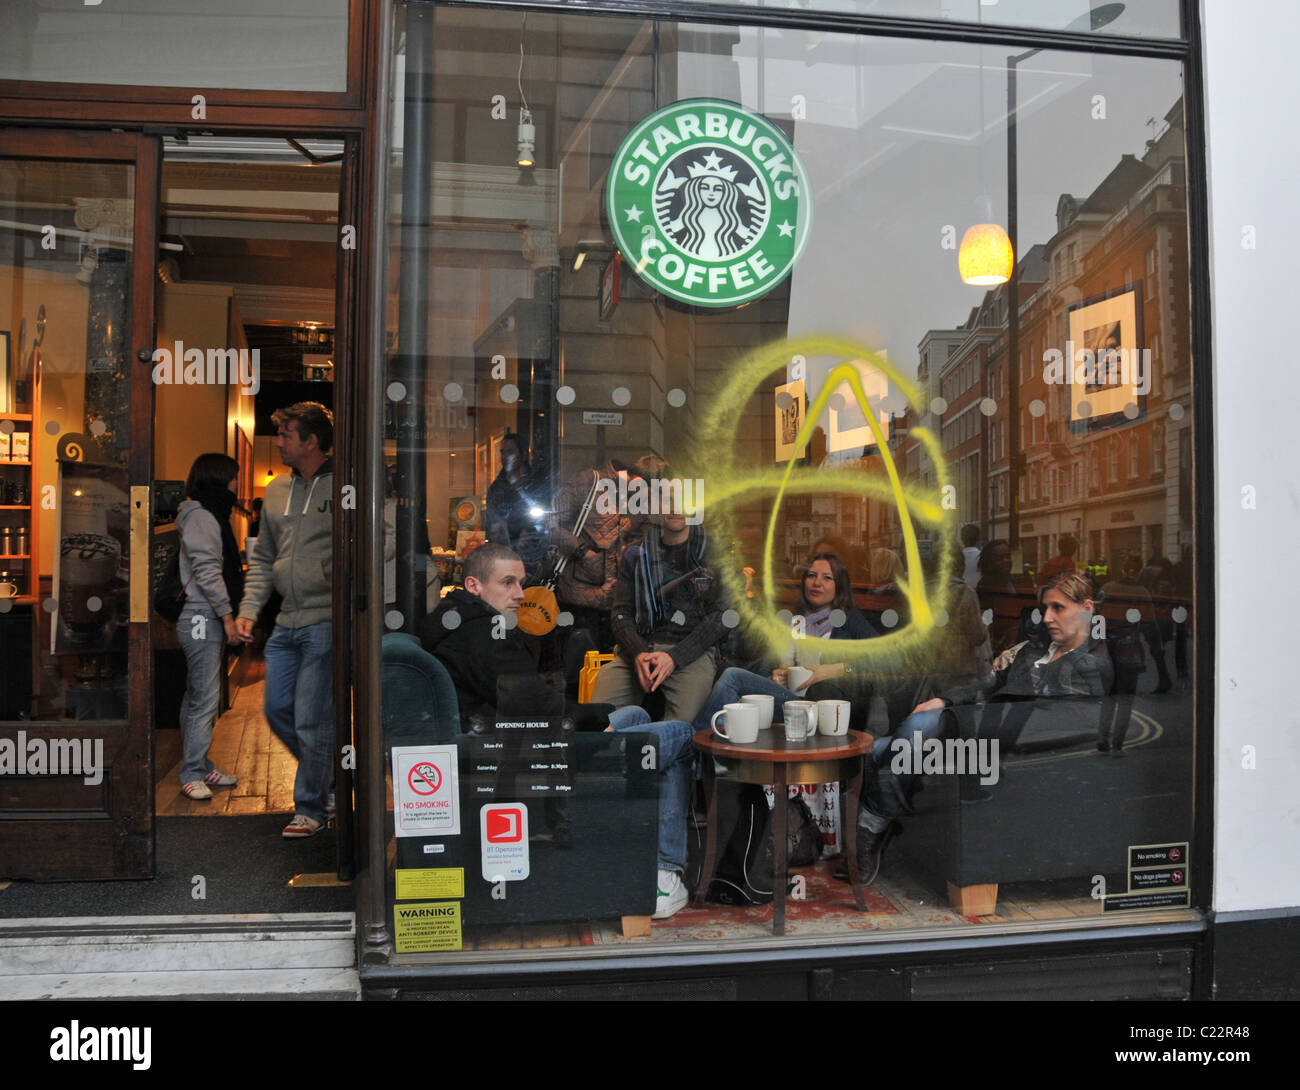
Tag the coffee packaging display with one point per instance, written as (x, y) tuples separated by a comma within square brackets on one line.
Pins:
[(4, 446), (21, 446)]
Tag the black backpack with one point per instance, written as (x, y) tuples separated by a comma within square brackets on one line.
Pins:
[(169, 597), (745, 874)]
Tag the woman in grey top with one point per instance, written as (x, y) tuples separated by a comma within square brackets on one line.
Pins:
[(214, 584)]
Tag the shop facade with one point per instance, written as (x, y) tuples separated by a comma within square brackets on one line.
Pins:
[(738, 240)]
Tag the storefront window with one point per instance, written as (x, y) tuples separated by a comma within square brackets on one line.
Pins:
[(296, 45), (679, 341)]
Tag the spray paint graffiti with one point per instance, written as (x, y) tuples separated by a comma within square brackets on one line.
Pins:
[(732, 481)]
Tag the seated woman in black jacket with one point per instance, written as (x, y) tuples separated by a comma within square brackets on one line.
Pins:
[(1069, 662)]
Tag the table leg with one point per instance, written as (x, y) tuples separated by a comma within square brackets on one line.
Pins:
[(780, 810), (710, 833), (854, 785)]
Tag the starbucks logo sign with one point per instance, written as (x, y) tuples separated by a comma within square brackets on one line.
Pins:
[(709, 203)]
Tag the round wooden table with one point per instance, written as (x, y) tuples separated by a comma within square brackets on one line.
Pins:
[(771, 759)]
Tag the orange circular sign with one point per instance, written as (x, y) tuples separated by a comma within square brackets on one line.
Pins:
[(538, 611)]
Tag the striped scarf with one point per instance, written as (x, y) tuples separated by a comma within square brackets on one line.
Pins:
[(648, 571)]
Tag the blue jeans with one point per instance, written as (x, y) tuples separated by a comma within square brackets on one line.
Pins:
[(203, 661), (889, 792), (676, 759), (300, 709), (735, 683)]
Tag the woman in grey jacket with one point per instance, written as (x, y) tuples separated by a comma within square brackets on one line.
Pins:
[(214, 584)]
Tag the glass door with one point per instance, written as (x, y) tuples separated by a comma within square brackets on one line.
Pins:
[(78, 239)]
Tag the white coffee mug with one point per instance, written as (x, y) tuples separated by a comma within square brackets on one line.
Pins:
[(8, 590), (765, 706), (833, 716), (796, 676), (742, 723)]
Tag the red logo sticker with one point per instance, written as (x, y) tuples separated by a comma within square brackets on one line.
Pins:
[(424, 778), (505, 825)]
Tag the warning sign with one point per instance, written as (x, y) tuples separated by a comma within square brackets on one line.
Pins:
[(414, 883), (1158, 855), (503, 829), (425, 797), (1171, 898), (420, 928)]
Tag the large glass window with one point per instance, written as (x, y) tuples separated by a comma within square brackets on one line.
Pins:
[(679, 311)]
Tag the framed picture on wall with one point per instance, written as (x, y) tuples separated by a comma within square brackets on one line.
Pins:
[(244, 456), (1109, 369), (791, 407), (849, 430)]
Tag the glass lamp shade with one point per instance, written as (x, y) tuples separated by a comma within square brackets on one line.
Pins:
[(985, 255)]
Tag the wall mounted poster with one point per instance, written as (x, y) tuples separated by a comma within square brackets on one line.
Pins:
[(1107, 363), (849, 430), (791, 406)]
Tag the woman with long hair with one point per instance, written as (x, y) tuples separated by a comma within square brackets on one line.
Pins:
[(826, 587), (214, 583)]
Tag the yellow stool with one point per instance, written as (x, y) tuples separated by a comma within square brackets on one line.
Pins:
[(591, 665)]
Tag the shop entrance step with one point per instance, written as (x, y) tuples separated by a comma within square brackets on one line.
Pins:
[(308, 955)]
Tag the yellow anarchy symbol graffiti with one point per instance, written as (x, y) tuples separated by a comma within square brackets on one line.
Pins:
[(732, 481)]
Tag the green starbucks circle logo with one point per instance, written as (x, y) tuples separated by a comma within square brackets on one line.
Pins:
[(709, 203)]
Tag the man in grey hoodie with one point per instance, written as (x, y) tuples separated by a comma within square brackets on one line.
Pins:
[(294, 555)]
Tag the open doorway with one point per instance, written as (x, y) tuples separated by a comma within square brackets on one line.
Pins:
[(255, 221)]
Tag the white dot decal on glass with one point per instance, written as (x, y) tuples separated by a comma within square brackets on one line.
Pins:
[(1133, 616), (784, 400), (988, 406), (51, 427), (451, 620), (621, 395), (97, 428), (987, 617), (838, 618), (889, 618), (941, 617), (512, 620), (679, 617), (838, 403), (94, 603), (6, 427), (564, 619), (49, 605), (1036, 407), (566, 395), (1131, 410), (730, 618), (6, 604), (396, 391), (785, 616), (393, 619), (677, 397), (1085, 409), (939, 406), (1179, 614), (509, 393), (1176, 411), (453, 392), (1037, 616)]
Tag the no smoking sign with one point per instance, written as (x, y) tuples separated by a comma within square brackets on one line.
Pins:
[(426, 799)]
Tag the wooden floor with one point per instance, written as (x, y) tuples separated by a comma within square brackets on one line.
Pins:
[(243, 744)]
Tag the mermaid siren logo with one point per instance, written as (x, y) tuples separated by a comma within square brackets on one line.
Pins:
[(709, 203)]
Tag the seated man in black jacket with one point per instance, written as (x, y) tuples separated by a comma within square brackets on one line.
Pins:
[(473, 634)]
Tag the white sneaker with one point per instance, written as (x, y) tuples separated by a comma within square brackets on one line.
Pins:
[(672, 896)]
